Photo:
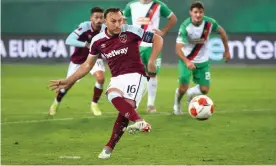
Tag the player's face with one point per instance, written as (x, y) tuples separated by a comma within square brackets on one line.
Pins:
[(97, 19), (114, 22), (197, 15)]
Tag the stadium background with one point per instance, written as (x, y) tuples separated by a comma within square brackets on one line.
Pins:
[(241, 131), (48, 22)]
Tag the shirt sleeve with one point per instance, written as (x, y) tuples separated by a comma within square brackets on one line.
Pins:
[(72, 40), (145, 36), (215, 25), (139, 32), (127, 11), (165, 11), (182, 35), (80, 29)]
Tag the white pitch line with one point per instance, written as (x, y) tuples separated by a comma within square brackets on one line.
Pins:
[(115, 113), (69, 157), (36, 121), (65, 119)]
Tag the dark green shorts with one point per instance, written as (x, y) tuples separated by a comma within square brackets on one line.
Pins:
[(201, 75), (145, 53)]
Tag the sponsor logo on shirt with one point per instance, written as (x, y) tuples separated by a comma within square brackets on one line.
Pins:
[(144, 20), (123, 38), (113, 53)]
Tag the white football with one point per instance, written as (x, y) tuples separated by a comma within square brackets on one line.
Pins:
[(201, 107)]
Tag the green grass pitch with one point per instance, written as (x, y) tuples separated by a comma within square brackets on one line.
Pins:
[(241, 131)]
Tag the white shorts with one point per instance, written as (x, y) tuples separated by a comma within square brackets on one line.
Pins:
[(132, 85), (99, 66)]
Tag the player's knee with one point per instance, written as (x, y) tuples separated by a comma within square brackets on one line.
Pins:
[(204, 89), (99, 75), (100, 80), (112, 95), (131, 102), (182, 89)]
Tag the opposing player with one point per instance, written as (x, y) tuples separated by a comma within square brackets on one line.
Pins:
[(191, 47), (81, 39), (146, 14), (118, 44)]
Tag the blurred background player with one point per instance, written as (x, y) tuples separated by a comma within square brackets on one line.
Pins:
[(191, 47), (81, 39), (119, 45), (146, 15)]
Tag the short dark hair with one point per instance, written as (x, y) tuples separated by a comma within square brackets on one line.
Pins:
[(197, 4), (96, 10), (112, 10)]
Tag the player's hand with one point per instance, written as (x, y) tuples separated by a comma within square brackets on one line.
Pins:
[(226, 56), (87, 45), (158, 32), (57, 85), (151, 67), (190, 65)]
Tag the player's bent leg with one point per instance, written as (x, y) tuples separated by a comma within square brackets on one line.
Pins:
[(131, 88), (98, 90), (115, 96), (179, 92), (125, 106), (126, 114), (127, 109)]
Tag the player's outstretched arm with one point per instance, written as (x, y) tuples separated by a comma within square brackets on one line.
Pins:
[(57, 85), (157, 45), (179, 52), (224, 39)]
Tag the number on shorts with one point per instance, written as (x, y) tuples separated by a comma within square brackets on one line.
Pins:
[(99, 63), (131, 89), (207, 76)]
